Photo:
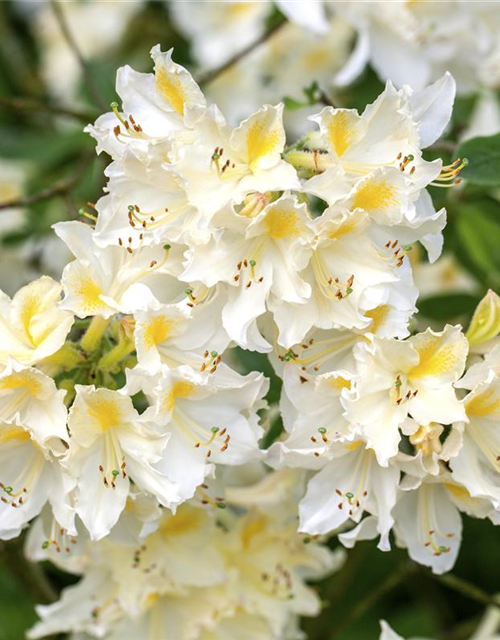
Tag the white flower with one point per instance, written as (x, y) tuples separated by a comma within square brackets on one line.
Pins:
[(207, 418), (347, 274), (477, 465), (261, 259), (223, 165), (349, 485), (105, 281), (30, 476), (30, 398), (32, 326), (177, 334), (155, 108), (397, 379), (110, 443)]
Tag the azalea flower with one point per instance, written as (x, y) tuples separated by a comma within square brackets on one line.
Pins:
[(32, 325), (111, 443)]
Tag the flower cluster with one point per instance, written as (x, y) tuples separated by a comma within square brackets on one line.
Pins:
[(123, 413)]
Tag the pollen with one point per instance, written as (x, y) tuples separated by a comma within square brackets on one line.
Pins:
[(374, 195), (282, 223), (170, 88)]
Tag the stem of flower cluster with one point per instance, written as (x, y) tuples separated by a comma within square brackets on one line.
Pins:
[(94, 333)]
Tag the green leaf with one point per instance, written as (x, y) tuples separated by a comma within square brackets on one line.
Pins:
[(483, 155), (448, 307), (479, 234)]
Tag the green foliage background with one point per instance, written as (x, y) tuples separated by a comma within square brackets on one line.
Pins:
[(372, 585)]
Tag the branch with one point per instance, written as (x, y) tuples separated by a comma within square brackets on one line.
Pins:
[(63, 24), (21, 104), (29, 574), (212, 74), (59, 189), (468, 590), (364, 605)]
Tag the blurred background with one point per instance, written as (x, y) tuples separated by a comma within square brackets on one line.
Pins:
[(58, 63)]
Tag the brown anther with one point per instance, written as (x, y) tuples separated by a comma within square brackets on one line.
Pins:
[(127, 126), (236, 277), (313, 439), (338, 492), (301, 378), (209, 453), (261, 279), (203, 367), (117, 130), (340, 505), (412, 171), (248, 284), (394, 244), (101, 468), (316, 454), (130, 250), (152, 264), (400, 155), (213, 369)]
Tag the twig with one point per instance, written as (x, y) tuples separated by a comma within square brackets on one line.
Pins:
[(21, 104), (29, 574), (63, 24), (468, 590), (212, 74), (59, 189), (362, 606)]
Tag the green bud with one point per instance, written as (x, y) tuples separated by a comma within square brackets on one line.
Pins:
[(214, 354), (167, 246), (8, 489), (485, 323), (45, 545), (411, 157), (349, 291), (214, 429), (221, 505), (322, 430), (349, 495), (306, 540), (131, 207), (442, 549), (115, 472), (114, 105), (188, 292), (252, 263)]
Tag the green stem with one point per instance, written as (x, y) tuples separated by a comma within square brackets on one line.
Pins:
[(123, 349), (94, 333)]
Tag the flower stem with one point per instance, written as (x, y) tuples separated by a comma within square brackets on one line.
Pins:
[(94, 333)]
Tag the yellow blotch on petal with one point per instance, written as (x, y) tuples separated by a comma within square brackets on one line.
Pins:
[(343, 229), (282, 223), (483, 404), (181, 389), (374, 195), (255, 527), (19, 380), (185, 521), (106, 413), (437, 358), (341, 131), (14, 433), (157, 331), (89, 292), (378, 316), (262, 139), (170, 88), (338, 383)]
